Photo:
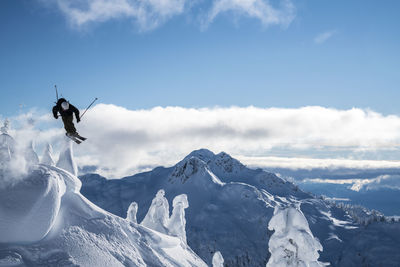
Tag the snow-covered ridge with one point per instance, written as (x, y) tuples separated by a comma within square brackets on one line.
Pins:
[(30, 207), (231, 207), (45, 221)]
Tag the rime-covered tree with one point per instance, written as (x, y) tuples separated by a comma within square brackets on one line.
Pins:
[(158, 215), (292, 244), (177, 222), (132, 211), (217, 260)]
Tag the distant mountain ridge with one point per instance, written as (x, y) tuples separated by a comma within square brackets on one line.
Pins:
[(230, 206)]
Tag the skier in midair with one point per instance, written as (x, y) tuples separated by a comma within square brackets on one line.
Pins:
[(66, 111)]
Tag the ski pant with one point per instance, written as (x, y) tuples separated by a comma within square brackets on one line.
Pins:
[(68, 124)]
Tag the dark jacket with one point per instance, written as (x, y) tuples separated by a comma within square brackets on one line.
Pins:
[(65, 113)]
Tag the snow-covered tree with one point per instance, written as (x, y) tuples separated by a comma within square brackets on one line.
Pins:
[(292, 243), (7, 143), (132, 211), (66, 160), (361, 214), (7, 150), (217, 260), (5, 155), (4, 129), (31, 156), (177, 222), (47, 157), (158, 215)]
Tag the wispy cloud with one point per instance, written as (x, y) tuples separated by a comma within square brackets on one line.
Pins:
[(258, 9), (323, 37), (147, 14), (150, 14), (122, 141)]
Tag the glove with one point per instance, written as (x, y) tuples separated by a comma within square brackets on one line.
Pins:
[(78, 120), (55, 116)]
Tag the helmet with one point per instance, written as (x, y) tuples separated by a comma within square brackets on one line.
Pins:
[(65, 105)]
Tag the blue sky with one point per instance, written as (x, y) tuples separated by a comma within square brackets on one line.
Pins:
[(279, 82), (235, 60)]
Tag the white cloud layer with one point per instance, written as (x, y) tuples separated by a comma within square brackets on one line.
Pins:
[(298, 163), (380, 182), (323, 37), (123, 141), (149, 14)]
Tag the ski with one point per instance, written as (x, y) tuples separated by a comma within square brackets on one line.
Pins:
[(73, 138), (76, 135), (80, 137)]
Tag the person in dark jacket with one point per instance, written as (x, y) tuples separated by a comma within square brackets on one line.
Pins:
[(66, 111)]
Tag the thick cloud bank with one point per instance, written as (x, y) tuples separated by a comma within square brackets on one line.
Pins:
[(141, 136), (123, 141)]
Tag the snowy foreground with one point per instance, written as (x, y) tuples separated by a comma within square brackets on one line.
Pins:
[(228, 214), (45, 221)]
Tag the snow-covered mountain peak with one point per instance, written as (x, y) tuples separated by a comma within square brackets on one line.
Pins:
[(227, 163), (221, 163), (203, 154), (187, 168)]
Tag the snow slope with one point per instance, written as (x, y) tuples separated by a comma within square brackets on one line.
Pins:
[(45, 221), (230, 208)]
